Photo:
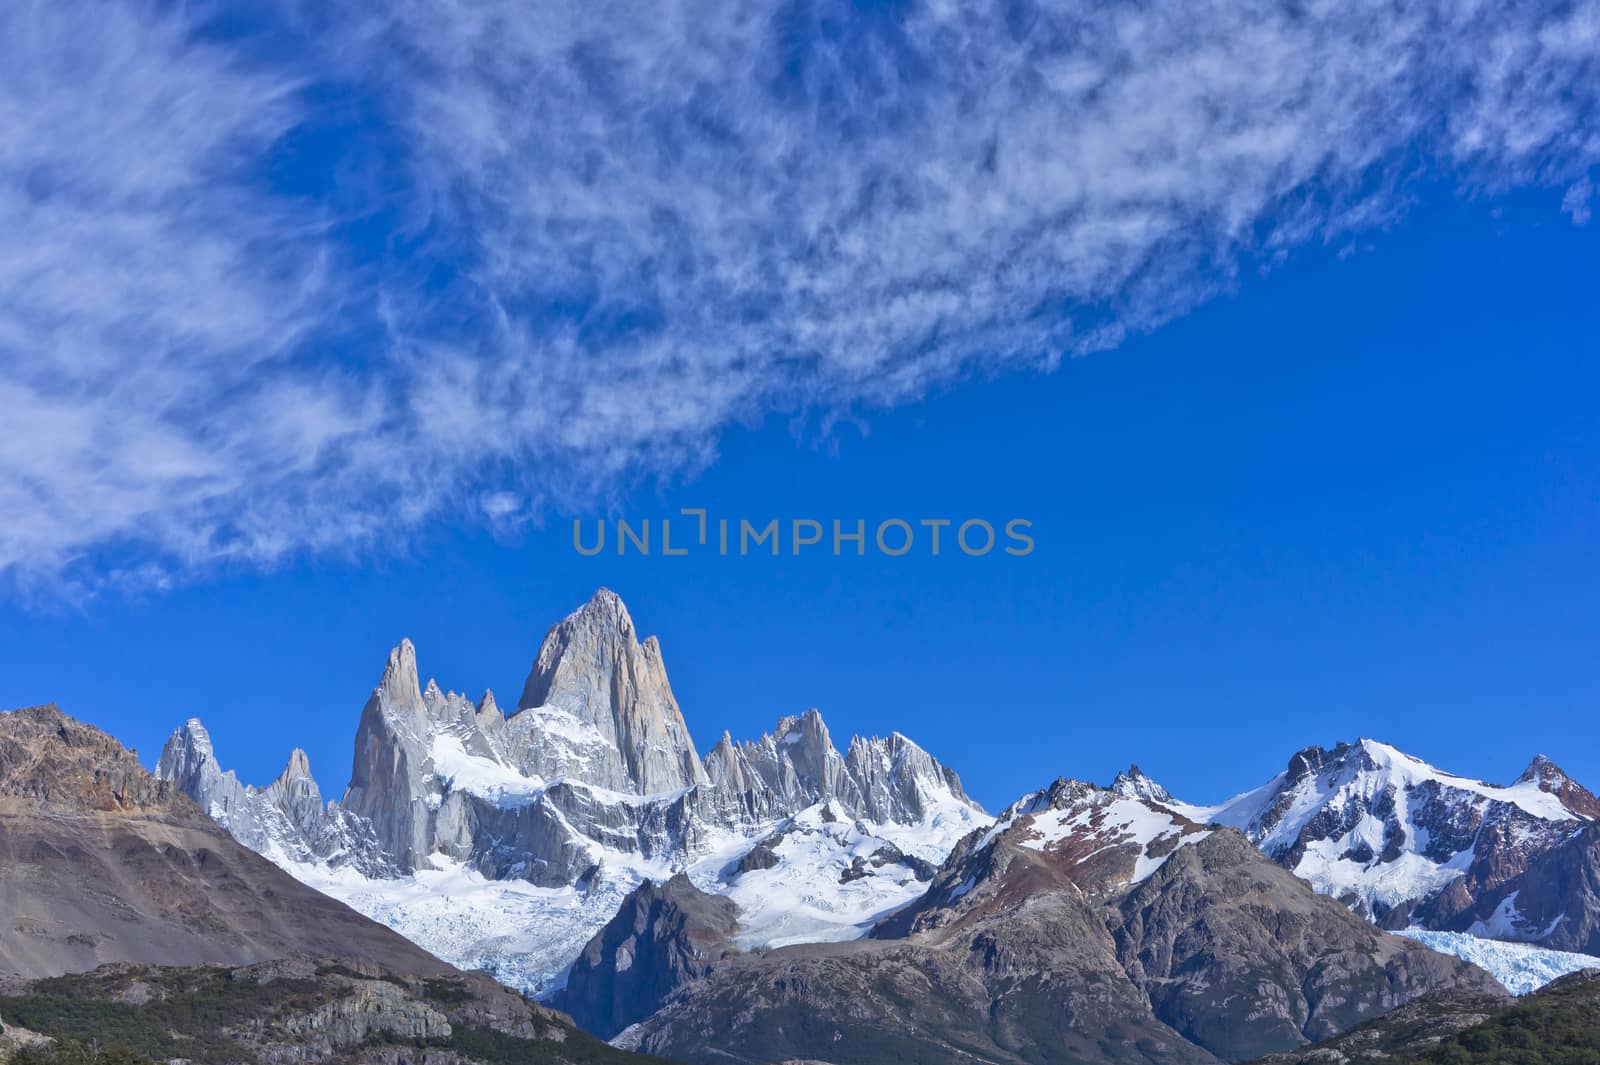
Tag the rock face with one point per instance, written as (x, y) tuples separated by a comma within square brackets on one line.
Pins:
[(52, 764), (881, 779), (591, 787), (593, 667), (664, 936), (1084, 926), (1554, 902), (1404, 843), (100, 861)]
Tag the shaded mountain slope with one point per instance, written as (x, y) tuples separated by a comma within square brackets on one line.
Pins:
[(664, 936)]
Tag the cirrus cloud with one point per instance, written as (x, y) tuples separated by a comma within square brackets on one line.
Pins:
[(607, 230)]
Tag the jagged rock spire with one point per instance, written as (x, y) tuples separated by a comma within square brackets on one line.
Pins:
[(285, 819), (593, 666), (882, 779), (390, 768), (399, 684)]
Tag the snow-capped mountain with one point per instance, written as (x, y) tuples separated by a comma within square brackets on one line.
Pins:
[(507, 841), (1409, 845), (1100, 840), (1084, 925)]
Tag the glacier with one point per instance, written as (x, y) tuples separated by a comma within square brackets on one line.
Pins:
[(1520, 967)]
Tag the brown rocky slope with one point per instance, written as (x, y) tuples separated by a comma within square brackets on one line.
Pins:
[(102, 862)]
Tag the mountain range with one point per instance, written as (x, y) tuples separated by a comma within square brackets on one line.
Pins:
[(505, 841), (464, 826), (1082, 926), (780, 898), (1410, 846)]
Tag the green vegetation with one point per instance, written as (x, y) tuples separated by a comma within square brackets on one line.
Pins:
[(74, 1053), (183, 1016), (444, 991), (1558, 1026), (336, 969), (125, 1016)]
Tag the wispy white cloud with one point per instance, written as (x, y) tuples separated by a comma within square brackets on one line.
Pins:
[(640, 222)]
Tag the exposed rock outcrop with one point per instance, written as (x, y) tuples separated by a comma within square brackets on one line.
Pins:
[(287, 817), (665, 935), (593, 666), (1554, 901)]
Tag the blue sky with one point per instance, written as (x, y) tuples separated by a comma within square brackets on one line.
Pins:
[(320, 332)]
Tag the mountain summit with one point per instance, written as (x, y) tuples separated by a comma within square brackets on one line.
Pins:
[(1407, 844), (592, 666), (1134, 784), (590, 788)]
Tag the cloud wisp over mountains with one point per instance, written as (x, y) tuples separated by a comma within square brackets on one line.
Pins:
[(299, 283)]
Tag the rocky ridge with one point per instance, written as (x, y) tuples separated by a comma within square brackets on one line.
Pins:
[(1558, 1023)]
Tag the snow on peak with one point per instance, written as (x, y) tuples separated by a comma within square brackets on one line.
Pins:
[(195, 736), (1134, 783), (1406, 771), (1275, 813), (1080, 823), (1113, 822), (1380, 828)]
